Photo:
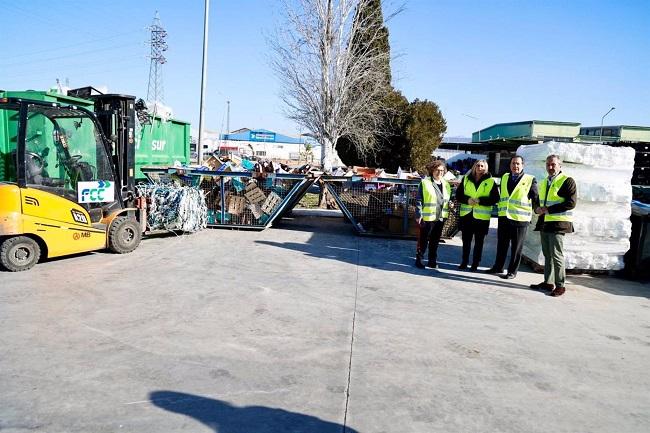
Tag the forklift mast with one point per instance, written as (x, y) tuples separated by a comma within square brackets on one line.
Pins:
[(116, 116)]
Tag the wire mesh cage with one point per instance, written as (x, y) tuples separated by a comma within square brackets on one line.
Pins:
[(382, 207), (241, 199)]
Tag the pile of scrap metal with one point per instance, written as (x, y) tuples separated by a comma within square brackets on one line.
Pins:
[(174, 207)]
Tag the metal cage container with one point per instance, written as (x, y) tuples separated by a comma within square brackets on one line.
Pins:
[(245, 200), (382, 206)]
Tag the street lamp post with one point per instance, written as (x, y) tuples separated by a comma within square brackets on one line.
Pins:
[(204, 77), (601, 123), (475, 118)]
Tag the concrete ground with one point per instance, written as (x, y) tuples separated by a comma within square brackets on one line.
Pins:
[(309, 328)]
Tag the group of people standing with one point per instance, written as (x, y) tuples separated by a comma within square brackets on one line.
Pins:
[(517, 196)]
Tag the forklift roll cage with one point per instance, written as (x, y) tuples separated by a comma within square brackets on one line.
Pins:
[(113, 116)]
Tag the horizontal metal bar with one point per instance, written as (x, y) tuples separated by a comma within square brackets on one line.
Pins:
[(341, 179)]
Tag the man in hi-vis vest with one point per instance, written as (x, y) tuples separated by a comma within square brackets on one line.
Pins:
[(517, 199), (557, 198), (432, 210)]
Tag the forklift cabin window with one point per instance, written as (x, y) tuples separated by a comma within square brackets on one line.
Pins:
[(8, 140), (62, 148)]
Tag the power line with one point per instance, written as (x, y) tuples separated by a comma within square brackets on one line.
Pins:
[(78, 67), (60, 47), (33, 16), (54, 24), (48, 59)]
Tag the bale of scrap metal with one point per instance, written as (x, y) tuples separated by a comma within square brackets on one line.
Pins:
[(172, 207)]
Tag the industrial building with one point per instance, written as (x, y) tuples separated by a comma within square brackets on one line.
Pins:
[(544, 130), (529, 130), (615, 134), (261, 143), (501, 140)]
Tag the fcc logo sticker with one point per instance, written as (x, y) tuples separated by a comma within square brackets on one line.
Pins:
[(79, 216), (101, 191)]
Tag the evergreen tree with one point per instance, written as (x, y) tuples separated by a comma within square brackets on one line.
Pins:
[(407, 133), (424, 130), (372, 36)]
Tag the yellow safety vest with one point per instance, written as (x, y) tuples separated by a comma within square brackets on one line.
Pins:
[(551, 198), (480, 212), (430, 199), (517, 206)]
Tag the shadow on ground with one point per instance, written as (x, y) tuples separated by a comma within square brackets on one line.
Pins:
[(224, 417), (335, 239), (612, 285)]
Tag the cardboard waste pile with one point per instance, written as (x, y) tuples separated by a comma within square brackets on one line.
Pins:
[(249, 199), (234, 163), (602, 216)]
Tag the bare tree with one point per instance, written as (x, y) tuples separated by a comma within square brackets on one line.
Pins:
[(322, 73)]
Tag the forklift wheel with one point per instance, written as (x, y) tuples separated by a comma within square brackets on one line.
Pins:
[(124, 235), (19, 253)]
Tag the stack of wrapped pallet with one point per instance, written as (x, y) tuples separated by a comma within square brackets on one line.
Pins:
[(602, 216)]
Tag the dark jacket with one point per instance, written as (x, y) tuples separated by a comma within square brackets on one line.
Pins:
[(468, 222), (491, 200), (533, 196), (569, 193)]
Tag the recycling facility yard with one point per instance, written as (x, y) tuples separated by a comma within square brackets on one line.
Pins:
[(309, 328)]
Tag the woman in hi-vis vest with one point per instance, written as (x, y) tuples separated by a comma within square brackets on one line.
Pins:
[(432, 210), (477, 194)]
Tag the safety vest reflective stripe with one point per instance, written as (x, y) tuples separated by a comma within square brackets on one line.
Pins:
[(429, 199), (480, 212), (465, 209), (548, 197), (515, 202), (567, 213), (520, 212), (516, 206)]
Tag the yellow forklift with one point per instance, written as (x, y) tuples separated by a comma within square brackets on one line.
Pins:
[(66, 179)]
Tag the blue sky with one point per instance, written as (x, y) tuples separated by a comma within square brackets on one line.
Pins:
[(497, 61)]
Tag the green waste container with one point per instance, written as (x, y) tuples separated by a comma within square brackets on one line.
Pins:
[(9, 129), (160, 144)]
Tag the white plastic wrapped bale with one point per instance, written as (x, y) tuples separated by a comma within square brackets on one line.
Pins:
[(591, 155), (602, 216)]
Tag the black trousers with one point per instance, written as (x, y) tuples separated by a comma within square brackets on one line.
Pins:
[(430, 232), (473, 229), (509, 235)]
